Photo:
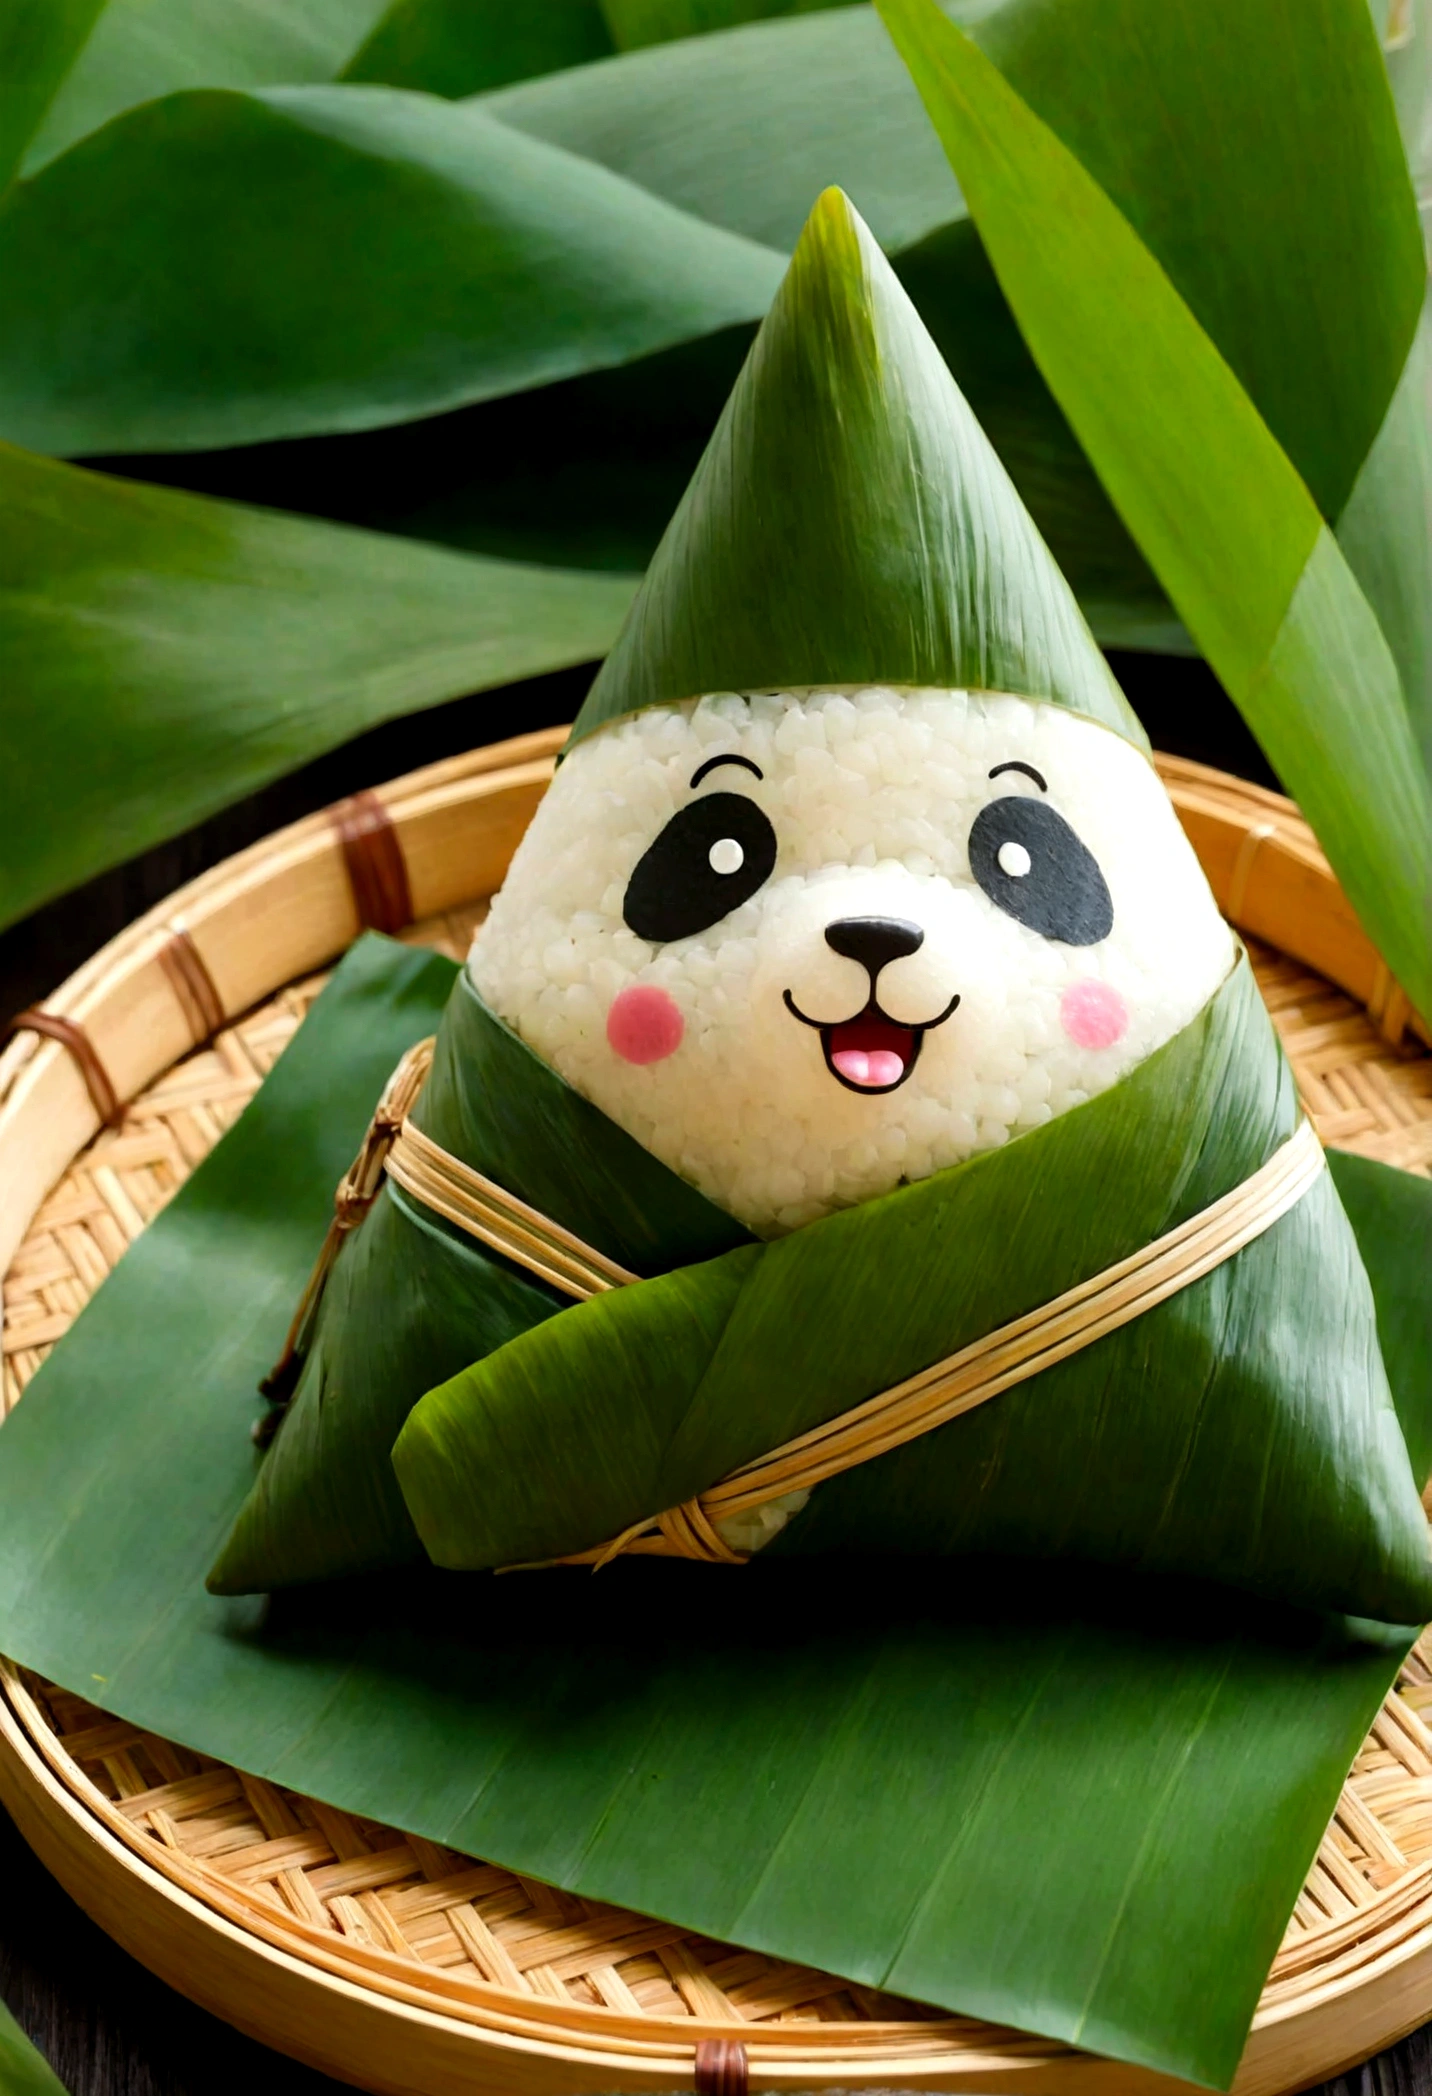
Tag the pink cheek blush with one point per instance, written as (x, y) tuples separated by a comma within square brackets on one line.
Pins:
[(1094, 1015), (644, 1025)]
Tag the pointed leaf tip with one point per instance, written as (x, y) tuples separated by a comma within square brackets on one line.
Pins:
[(850, 523)]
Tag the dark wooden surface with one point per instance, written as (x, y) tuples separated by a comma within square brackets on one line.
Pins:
[(106, 2026)]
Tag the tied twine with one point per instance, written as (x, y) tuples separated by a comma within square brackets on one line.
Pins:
[(357, 1190), (1011, 1354)]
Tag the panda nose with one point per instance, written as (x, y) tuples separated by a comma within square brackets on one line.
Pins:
[(873, 941)]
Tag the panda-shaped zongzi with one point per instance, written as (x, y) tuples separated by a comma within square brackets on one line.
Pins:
[(806, 947)]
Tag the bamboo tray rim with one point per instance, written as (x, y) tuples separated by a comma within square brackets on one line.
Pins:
[(1369, 1952)]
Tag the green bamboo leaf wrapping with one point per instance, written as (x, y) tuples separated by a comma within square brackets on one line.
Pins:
[(141, 49), (1230, 529), (464, 47), (1212, 1437), (165, 654), (412, 1300), (860, 1749), (849, 522), (22, 2071), (330, 258)]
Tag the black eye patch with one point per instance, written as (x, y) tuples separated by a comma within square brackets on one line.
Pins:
[(710, 858), (1029, 862)]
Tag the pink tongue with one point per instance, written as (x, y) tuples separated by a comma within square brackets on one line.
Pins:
[(878, 1066)]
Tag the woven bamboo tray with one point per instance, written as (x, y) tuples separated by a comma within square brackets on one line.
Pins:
[(392, 1963)]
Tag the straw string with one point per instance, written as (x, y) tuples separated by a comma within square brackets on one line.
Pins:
[(71, 1036), (1009, 1355), (498, 1219), (357, 1190)]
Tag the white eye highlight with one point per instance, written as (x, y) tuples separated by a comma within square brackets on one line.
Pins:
[(726, 856), (1013, 859)]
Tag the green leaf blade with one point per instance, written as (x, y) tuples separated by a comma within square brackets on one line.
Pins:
[(1385, 531), (142, 49), (1192, 120), (39, 41), (167, 654), (22, 2070), (467, 47), (305, 259), (1210, 497)]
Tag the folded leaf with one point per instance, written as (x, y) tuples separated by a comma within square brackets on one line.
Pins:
[(412, 1300), (1229, 528), (1215, 1436), (849, 523), (164, 655), (142, 49), (864, 1750), (330, 258)]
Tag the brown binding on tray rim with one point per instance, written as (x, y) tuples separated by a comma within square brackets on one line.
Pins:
[(192, 984), (55, 1027), (373, 855), (722, 2068)]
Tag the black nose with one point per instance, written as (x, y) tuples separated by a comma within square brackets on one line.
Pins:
[(874, 940)]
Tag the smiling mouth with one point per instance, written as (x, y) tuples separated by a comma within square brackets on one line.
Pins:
[(871, 1052)]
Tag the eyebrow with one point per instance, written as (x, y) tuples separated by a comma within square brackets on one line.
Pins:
[(1014, 764), (730, 758)]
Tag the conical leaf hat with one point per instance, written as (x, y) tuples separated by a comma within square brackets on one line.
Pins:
[(850, 523)]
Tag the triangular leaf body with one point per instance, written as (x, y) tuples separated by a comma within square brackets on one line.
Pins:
[(850, 522)]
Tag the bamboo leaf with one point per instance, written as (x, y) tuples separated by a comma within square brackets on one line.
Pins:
[(22, 2071), (326, 1501), (1385, 531), (1391, 1211), (849, 522), (1213, 501), (330, 258), (863, 1751), (141, 49), (463, 47), (166, 654), (1192, 120), (639, 1399), (1312, 301), (696, 122), (39, 40), (1189, 116), (635, 23)]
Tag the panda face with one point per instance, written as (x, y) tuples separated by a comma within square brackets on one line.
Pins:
[(807, 946)]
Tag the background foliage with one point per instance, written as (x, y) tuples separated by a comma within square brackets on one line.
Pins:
[(473, 282)]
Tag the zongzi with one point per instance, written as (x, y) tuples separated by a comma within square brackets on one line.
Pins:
[(856, 1038)]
